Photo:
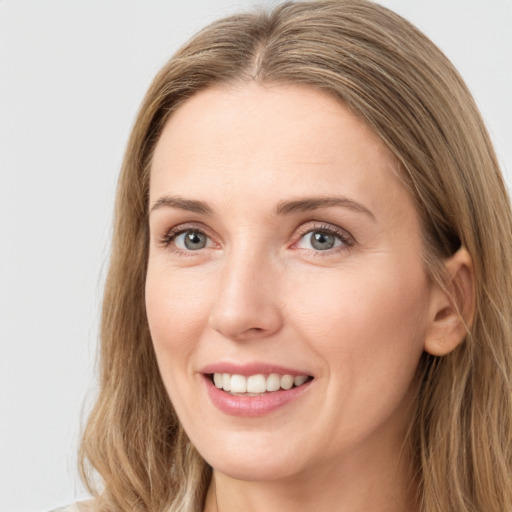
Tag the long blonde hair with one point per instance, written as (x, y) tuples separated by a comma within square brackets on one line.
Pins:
[(406, 90)]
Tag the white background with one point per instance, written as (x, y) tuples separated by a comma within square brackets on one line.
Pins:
[(72, 74)]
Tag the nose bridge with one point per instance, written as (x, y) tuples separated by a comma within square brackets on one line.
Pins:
[(246, 303)]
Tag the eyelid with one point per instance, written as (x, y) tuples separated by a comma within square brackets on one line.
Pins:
[(172, 233), (348, 240), (309, 227)]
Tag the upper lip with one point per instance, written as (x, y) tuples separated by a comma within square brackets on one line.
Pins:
[(248, 369)]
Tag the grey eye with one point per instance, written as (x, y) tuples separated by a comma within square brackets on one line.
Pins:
[(319, 240), (191, 240)]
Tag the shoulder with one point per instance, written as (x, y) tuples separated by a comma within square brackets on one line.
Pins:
[(81, 506)]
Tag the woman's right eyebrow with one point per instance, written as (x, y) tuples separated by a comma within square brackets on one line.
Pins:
[(189, 205)]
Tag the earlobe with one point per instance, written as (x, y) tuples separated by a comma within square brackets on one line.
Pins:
[(452, 309)]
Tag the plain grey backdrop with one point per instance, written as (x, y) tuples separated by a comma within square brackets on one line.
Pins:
[(72, 75)]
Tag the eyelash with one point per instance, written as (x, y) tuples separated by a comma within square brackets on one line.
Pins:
[(347, 240), (168, 238)]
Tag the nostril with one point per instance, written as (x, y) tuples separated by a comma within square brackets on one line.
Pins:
[(244, 310)]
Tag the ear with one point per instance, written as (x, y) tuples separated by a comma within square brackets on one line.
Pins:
[(452, 310)]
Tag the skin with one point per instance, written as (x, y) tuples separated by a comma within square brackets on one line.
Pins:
[(356, 317)]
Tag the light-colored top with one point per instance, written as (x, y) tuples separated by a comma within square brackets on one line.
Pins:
[(75, 507)]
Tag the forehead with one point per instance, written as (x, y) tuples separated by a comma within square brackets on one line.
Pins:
[(270, 142)]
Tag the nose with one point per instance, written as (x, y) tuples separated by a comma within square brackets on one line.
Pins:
[(246, 304)]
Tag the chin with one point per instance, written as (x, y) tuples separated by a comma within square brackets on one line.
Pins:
[(254, 471), (257, 463)]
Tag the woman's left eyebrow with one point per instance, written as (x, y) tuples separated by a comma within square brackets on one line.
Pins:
[(315, 203)]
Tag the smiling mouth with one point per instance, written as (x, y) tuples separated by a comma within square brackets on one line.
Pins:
[(258, 384)]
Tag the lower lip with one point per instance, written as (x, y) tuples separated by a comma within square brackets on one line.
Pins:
[(252, 406)]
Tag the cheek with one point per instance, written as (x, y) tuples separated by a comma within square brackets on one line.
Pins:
[(177, 312), (364, 308), (368, 328)]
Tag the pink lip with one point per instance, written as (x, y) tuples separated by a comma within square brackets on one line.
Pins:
[(250, 369), (252, 406)]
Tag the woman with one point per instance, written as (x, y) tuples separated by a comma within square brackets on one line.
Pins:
[(308, 299)]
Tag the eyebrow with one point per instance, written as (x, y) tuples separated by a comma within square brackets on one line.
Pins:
[(180, 203), (283, 207), (316, 203)]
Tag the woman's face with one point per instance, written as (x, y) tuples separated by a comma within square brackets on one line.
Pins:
[(284, 250)]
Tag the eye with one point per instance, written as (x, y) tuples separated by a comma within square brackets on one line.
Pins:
[(190, 240), (323, 239), (186, 239), (319, 240)]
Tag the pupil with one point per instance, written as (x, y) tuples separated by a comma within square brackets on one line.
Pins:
[(194, 240), (322, 241)]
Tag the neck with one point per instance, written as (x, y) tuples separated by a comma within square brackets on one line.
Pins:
[(361, 483)]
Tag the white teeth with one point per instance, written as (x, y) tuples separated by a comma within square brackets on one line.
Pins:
[(226, 381), (299, 380), (273, 382), (256, 384), (286, 382), (238, 384), (218, 380)]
